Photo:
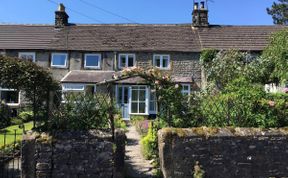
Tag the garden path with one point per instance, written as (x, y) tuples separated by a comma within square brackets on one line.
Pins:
[(136, 165)]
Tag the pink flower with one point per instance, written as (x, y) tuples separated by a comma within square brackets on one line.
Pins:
[(285, 90)]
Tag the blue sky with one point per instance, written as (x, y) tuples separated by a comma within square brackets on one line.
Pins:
[(229, 12)]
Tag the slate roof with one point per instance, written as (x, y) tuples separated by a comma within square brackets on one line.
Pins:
[(82, 76), (77, 76), (135, 37), (26, 36), (246, 38)]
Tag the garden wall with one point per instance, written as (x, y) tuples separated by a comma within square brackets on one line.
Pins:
[(224, 152), (73, 154)]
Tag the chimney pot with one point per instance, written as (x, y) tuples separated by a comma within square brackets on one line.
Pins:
[(61, 7), (196, 6), (202, 5), (61, 17)]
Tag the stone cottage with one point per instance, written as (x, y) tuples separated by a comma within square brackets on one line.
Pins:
[(80, 56)]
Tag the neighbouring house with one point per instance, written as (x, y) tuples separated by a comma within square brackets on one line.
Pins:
[(80, 56)]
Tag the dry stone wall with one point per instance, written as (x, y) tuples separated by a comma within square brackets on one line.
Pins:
[(73, 154), (240, 152)]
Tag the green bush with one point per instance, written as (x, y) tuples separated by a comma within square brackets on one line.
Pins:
[(119, 123), (5, 113), (82, 112), (242, 104), (26, 116), (149, 143)]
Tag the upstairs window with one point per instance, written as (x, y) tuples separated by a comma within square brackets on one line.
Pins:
[(92, 61), (186, 89), (59, 60), (29, 56), (161, 61), (126, 60)]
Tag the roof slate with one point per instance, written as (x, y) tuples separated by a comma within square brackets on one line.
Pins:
[(135, 37), (245, 38), (26, 36), (128, 38)]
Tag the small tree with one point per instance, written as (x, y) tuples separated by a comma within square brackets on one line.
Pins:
[(279, 12), (223, 67), (35, 82), (275, 58)]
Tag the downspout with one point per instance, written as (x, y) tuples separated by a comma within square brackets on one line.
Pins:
[(115, 61)]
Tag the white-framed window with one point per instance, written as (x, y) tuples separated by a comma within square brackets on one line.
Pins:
[(29, 56), (139, 100), (92, 61), (126, 60), (186, 89), (73, 87), (152, 102), (59, 60), (2, 53), (161, 61), (9, 96)]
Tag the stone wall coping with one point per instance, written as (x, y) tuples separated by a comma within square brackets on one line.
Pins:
[(221, 132), (77, 135)]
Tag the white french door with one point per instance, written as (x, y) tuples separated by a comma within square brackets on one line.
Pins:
[(139, 100), (122, 93)]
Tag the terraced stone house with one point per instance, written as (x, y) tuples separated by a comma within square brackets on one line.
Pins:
[(80, 56)]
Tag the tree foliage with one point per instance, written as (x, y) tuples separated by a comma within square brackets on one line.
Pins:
[(26, 76), (275, 58), (225, 66), (279, 12)]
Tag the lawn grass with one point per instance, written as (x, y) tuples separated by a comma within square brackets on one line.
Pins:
[(10, 133)]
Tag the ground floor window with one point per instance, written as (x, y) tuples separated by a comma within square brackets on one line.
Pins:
[(139, 100), (186, 89), (152, 102), (9, 96)]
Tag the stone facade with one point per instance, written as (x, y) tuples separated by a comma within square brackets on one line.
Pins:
[(182, 64), (73, 154), (239, 152)]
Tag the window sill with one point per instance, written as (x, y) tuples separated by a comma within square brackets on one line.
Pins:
[(59, 67), (92, 68)]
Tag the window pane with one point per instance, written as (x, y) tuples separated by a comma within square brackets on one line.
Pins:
[(59, 60), (92, 61), (142, 107), (134, 95), (27, 56), (126, 91), (152, 106), (142, 95), (134, 107), (119, 95), (10, 96), (158, 63), (165, 63), (122, 61), (130, 61)]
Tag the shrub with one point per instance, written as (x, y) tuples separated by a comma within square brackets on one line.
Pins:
[(242, 104), (26, 116), (149, 143), (141, 124), (5, 113), (82, 112), (119, 123)]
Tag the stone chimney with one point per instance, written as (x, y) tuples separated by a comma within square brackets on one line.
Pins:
[(200, 15), (61, 17)]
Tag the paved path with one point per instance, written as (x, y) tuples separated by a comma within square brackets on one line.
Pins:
[(136, 165)]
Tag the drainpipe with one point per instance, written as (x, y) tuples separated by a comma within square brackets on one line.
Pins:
[(115, 61)]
